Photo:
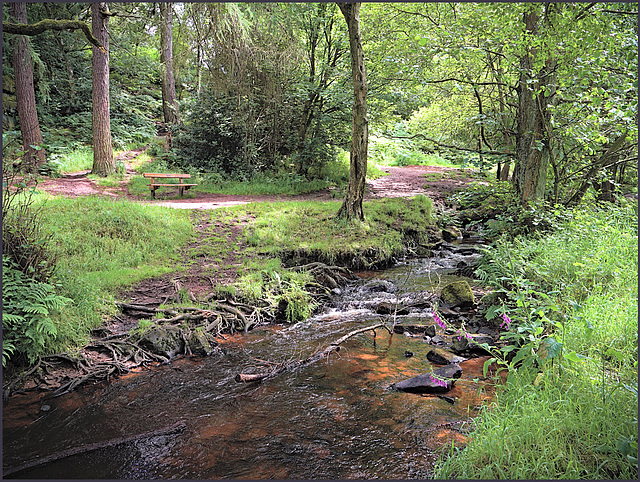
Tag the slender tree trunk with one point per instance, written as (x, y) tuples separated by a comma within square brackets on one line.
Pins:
[(169, 101), (103, 162), (25, 94), (352, 205)]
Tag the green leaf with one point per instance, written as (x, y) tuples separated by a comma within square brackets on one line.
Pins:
[(575, 357), (493, 311), (616, 353), (549, 348), (486, 366)]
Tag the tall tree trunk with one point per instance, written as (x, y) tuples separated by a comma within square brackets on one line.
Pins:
[(532, 139), (25, 94), (169, 101), (103, 162), (352, 205)]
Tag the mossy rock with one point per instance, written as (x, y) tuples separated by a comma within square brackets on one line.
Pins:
[(451, 233), (201, 343), (164, 340), (458, 293)]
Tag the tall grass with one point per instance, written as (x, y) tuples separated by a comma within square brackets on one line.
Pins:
[(580, 419), (79, 159), (104, 245)]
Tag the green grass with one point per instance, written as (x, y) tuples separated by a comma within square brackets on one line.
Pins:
[(79, 159), (575, 423), (311, 228), (103, 246)]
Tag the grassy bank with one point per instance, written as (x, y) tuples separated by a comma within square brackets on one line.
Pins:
[(103, 246), (572, 413)]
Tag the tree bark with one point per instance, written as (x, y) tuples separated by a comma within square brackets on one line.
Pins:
[(533, 133), (25, 95), (169, 100), (352, 205), (103, 162)]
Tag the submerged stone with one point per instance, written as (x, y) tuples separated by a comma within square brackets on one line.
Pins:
[(440, 381)]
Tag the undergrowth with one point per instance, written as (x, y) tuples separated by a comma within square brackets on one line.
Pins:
[(569, 407)]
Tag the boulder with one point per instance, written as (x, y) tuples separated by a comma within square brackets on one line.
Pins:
[(201, 343), (463, 344), (164, 340), (450, 233), (378, 286), (413, 329), (443, 357), (458, 293), (440, 381), (386, 308)]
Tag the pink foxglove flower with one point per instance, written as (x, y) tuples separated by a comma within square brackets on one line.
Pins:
[(506, 322)]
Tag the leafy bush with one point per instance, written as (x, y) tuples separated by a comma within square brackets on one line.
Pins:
[(28, 309), (213, 138), (23, 239)]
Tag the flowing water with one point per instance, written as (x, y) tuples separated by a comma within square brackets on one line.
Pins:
[(335, 419)]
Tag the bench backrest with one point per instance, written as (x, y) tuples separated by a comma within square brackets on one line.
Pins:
[(166, 175)]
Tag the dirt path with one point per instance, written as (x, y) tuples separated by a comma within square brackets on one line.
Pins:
[(432, 181)]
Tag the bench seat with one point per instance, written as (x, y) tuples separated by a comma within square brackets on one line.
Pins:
[(182, 186)]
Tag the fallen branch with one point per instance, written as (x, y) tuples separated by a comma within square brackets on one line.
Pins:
[(176, 427), (334, 346)]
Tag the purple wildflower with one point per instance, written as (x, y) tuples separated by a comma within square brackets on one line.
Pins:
[(439, 322), (438, 381), (506, 323)]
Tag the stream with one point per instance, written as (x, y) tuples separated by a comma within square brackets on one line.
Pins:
[(335, 419)]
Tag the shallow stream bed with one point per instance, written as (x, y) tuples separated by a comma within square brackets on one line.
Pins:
[(334, 419)]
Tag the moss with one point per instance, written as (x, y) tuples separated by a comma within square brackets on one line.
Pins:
[(458, 293)]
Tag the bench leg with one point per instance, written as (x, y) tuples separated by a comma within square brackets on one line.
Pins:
[(153, 192), (181, 191)]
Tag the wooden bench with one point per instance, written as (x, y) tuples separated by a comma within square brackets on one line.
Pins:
[(162, 176)]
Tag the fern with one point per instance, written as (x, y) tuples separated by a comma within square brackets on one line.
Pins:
[(28, 307)]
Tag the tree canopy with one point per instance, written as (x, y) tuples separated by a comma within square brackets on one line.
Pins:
[(544, 94)]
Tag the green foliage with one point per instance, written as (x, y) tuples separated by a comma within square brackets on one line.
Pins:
[(571, 353), (23, 239), (212, 138), (404, 152), (29, 309), (282, 288)]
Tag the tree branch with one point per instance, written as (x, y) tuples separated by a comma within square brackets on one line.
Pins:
[(37, 28), (447, 146)]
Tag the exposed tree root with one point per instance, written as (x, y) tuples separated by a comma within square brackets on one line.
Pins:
[(174, 428), (196, 329)]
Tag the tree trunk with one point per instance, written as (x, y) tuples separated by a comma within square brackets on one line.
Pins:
[(103, 162), (169, 101), (352, 205), (25, 94), (535, 92)]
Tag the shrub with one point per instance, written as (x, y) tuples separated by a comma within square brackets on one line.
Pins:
[(23, 240)]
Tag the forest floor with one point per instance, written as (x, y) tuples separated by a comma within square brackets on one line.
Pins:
[(197, 280)]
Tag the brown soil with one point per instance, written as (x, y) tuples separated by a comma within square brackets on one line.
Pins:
[(434, 182)]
